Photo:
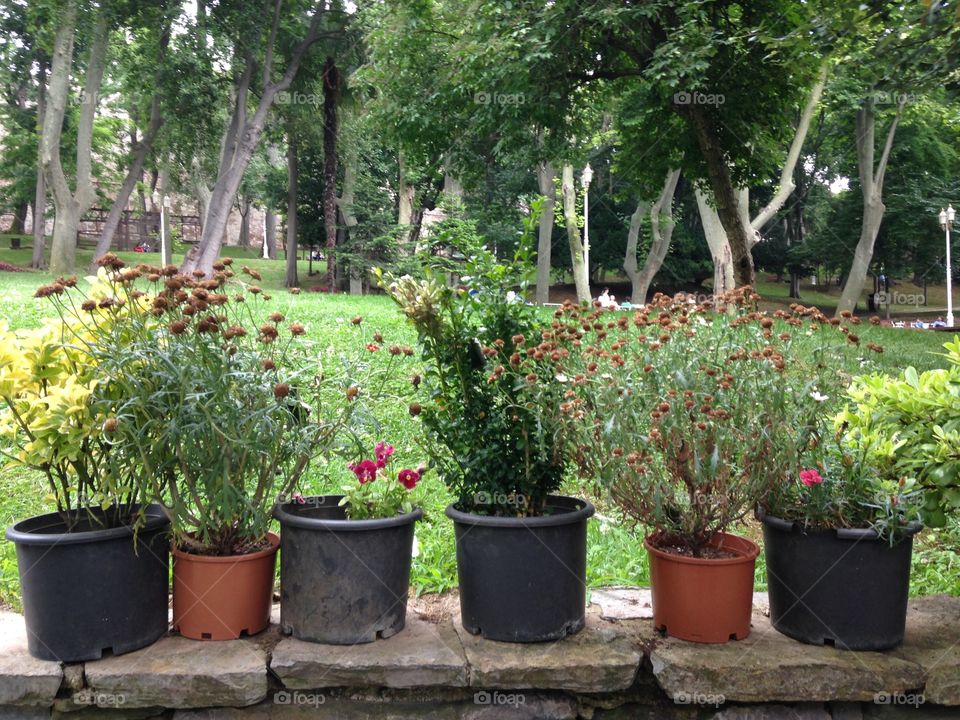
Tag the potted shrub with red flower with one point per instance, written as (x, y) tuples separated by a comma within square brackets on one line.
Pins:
[(345, 559), (838, 536), (687, 416), (491, 410)]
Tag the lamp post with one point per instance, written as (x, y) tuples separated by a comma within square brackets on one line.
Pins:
[(266, 251), (585, 178), (158, 203), (946, 222), (162, 202)]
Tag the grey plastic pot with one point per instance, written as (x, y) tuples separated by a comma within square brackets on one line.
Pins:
[(842, 587), (524, 579), (342, 581), (92, 590)]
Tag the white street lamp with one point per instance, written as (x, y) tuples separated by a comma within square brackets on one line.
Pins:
[(946, 222), (162, 202), (158, 204), (266, 251), (585, 178)]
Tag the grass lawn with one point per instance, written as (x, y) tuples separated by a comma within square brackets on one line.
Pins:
[(615, 550)]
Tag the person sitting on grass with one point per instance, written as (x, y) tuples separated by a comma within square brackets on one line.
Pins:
[(607, 300)]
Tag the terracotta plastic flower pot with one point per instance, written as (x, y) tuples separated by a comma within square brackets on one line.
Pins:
[(842, 587), (706, 600), (223, 598)]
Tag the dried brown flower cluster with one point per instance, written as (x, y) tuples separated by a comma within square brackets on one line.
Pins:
[(679, 387)]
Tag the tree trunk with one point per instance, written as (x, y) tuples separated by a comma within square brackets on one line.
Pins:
[(787, 184), (270, 233), (871, 184), (241, 138), (545, 181), (568, 190), (20, 218), (795, 285), (291, 279), (56, 105), (638, 295), (739, 234), (661, 229), (63, 249), (38, 261), (862, 256), (140, 152), (244, 240), (716, 236), (71, 204), (345, 203), (331, 96), (405, 196)]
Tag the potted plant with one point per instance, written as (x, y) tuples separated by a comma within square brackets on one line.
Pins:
[(345, 559), (838, 536), (209, 398), (847, 514), (687, 416), (94, 575), (493, 427)]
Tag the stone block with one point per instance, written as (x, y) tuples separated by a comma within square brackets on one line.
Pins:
[(932, 640), (423, 654), (600, 658), (24, 680), (176, 672), (770, 667)]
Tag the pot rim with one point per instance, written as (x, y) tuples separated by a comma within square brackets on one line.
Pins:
[(789, 526), (570, 517), (743, 557), (219, 559), (289, 519), (156, 520)]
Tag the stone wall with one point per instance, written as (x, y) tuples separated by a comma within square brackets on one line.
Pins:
[(617, 667)]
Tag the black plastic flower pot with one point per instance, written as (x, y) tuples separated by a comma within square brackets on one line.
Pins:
[(845, 587), (523, 579), (92, 590), (342, 581)]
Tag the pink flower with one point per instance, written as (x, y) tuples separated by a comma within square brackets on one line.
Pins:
[(408, 478), (383, 453), (365, 470), (810, 478)]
